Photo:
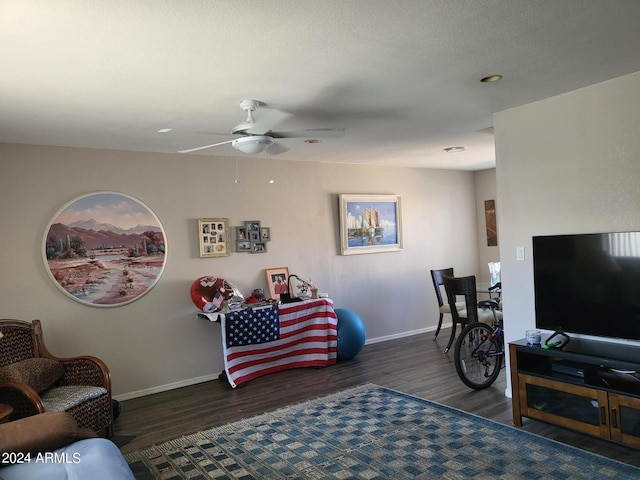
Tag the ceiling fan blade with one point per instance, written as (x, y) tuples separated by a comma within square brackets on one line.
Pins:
[(267, 119), (277, 149), (189, 150), (310, 133)]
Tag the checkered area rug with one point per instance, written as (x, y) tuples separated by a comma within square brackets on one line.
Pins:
[(370, 432)]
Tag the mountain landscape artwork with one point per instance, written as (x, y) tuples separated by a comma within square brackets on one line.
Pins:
[(105, 249)]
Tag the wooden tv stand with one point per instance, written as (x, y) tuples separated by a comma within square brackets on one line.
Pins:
[(581, 387)]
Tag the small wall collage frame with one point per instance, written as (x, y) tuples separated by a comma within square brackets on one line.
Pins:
[(251, 237)]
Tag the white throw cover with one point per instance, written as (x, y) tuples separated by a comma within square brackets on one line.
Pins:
[(95, 459)]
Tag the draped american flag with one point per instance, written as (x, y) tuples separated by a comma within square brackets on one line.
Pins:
[(307, 337), (251, 326)]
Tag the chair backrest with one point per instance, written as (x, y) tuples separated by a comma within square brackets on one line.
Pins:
[(18, 341), (436, 276), (462, 287), (494, 273)]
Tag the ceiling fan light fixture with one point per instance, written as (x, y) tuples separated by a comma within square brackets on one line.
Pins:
[(252, 145)]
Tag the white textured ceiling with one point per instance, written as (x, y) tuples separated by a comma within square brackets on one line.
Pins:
[(401, 77)]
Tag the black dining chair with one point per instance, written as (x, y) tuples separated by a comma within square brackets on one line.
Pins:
[(464, 288), (438, 284)]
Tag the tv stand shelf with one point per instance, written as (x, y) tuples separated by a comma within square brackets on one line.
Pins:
[(588, 386)]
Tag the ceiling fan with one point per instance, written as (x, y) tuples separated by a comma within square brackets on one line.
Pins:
[(254, 137)]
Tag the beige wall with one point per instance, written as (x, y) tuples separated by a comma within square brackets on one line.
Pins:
[(567, 164), (156, 342)]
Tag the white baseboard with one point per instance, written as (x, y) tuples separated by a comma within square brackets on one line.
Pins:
[(214, 376), (402, 335), (166, 387)]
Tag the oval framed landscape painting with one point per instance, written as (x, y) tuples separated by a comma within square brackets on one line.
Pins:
[(105, 249)]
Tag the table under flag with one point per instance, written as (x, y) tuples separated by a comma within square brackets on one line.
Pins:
[(262, 340)]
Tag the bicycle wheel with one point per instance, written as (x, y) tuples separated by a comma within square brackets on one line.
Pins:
[(478, 360)]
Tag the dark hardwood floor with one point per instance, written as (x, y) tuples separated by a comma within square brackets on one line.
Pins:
[(415, 365)]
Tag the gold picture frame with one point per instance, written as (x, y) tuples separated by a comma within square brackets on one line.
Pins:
[(213, 237), (370, 224)]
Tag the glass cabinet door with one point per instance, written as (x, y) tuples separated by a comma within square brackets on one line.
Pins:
[(572, 406), (625, 419)]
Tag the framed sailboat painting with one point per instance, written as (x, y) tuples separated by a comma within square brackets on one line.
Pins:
[(370, 224)]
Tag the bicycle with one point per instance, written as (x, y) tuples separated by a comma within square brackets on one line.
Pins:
[(479, 352)]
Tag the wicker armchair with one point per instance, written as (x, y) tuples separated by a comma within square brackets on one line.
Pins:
[(33, 381)]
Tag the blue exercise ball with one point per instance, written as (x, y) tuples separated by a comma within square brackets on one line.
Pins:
[(351, 334)]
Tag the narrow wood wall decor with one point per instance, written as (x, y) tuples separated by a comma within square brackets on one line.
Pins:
[(490, 220)]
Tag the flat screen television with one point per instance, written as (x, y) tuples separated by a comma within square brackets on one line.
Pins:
[(588, 284)]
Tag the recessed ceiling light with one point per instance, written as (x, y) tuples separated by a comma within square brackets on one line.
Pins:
[(454, 149), (312, 140), (165, 130), (491, 78)]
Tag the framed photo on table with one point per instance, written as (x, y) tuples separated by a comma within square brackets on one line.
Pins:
[(277, 280), (213, 236), (370, 224)]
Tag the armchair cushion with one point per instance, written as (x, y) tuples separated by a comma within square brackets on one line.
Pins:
[(66, 397), (44, 432), (38, 373)]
